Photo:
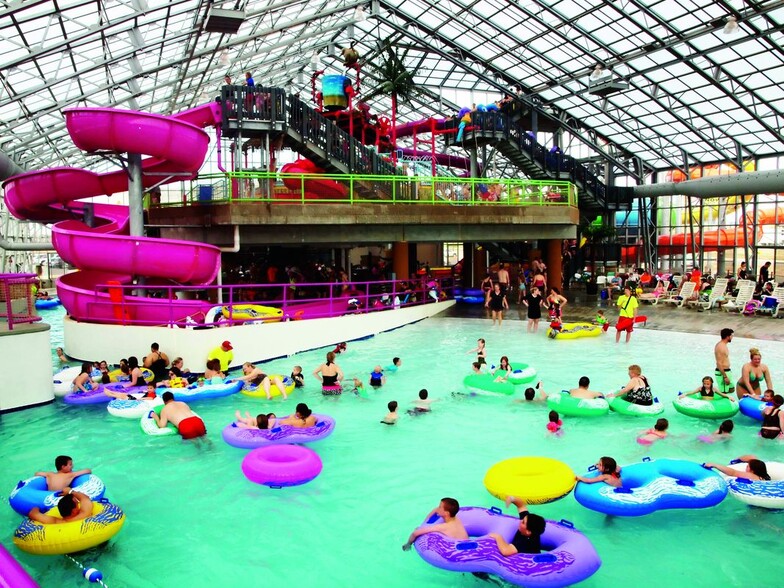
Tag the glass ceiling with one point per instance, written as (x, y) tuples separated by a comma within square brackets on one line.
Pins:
[(695, 93)]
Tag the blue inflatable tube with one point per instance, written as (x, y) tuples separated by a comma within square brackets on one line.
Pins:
[(33, 492), (752, 407), (47, 303), (195, 392), (653, 485)]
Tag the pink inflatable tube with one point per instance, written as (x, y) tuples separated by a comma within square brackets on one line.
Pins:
[(12, 573), (278, 466)]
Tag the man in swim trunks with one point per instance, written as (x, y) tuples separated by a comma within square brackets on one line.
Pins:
[(527, 539), (722, 355), (451, 527), (503, 279), (64, 475), (181, 416)]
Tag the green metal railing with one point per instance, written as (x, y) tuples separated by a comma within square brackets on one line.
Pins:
[(253, 186)]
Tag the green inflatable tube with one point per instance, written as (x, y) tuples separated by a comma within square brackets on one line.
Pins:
[(481, 383), (522, 373), (622, 406), (150, 427), (697, 407), (565, 404)]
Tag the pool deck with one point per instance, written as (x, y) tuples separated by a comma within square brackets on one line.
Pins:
[(665, 317)]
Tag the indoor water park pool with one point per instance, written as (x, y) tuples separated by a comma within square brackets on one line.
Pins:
[(194, 520)]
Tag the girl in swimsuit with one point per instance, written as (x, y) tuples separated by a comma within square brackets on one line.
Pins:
[(773, 419), (707, 391), (481, 354), (752, 374), (504, 369), (755, 470), (659, 431), (609, 473), (82, 383)]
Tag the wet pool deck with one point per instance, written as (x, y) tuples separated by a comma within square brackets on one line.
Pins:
[(664, 317)]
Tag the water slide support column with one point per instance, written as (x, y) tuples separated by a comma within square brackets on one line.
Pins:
[(554, 262), (135, 201), (400, 262)]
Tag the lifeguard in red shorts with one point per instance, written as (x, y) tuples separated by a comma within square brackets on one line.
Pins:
[(627, 306), (181, 416)]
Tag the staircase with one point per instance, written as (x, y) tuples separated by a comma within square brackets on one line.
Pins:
[(537, 162), (253, 112)]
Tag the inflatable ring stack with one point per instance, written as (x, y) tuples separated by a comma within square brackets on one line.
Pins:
[(537, 480)]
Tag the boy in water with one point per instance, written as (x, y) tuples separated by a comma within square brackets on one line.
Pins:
[(421, 404), (377, 377), (451, 527), (62, 478), (601, 320), (391, 417), (298, 376)]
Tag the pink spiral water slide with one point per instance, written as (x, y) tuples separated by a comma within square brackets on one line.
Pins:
[(176, 146)]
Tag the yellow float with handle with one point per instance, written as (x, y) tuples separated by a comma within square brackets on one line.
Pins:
[(61, 538), (119, 376), (576, 330), (258, 391), (253, 312), (537, 480)]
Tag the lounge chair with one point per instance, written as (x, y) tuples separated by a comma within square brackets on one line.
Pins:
[(683, 295), (745, 294), (717, 293), (773, 302)]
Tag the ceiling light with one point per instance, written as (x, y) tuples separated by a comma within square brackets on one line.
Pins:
[(224, 57), (359, 13), (597, 71), (314, 60), (731, 26)]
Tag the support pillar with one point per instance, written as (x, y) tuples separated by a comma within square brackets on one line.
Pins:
[(554, 262), (400, 260), (135, 195), (480, 265)]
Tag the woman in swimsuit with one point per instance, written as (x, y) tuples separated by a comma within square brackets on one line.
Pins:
[(329, 373), (752, 374), (496, 302), (556, 302), (137, 379), (637, 391), (773, 419), (503, 370), (487, 284), (83, 383), (539, 281)]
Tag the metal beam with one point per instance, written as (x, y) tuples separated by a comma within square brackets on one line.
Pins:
[(760, 182)]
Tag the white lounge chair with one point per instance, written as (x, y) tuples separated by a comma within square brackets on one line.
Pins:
[(683, 295), (718, 292), (745, 294)]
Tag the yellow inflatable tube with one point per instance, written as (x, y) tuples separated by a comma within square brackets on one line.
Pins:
[(253, 312), (258, 391), (58, 539), (536, 480), (118, 376), (575, 330)]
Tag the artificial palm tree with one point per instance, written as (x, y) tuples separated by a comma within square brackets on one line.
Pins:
[(394, 80)]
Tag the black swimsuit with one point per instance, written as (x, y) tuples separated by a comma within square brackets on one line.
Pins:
[(329, 380), (771, 420)]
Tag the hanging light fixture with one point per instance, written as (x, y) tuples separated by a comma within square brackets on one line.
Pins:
[(224, 58), (597, 71), (359, 13), (314, 60), (731, 26)]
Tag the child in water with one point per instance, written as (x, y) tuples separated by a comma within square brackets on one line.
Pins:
[(377, 377), (391, 417), (708, 391), (261, 421), (659, 431), (298, 376), (723, 434), (396, 363), (609, 473), (554, 426), (422, 404), (339, 348), (477, 367), (601, 320), (555, 327), (358, 388), (481, 353)]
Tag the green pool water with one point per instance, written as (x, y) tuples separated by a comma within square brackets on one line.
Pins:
[(193, 520)]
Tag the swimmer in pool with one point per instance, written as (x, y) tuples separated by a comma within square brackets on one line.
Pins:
[(62, 478), (391, 417), (260, 421), (659, 431), (609, 473), (421, 404)]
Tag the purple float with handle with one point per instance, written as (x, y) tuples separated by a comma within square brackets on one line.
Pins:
[(568, 556), (12, 573), (252, 438)]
